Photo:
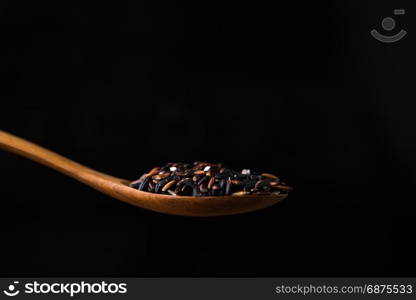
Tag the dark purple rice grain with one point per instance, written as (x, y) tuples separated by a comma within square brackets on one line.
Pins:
[(187, 187), (161, 184), (144, 183), (203, 189), (216, 187), (202, 180), (228, 187)]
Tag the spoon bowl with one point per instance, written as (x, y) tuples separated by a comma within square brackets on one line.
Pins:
[(192, 206), (118, 188)]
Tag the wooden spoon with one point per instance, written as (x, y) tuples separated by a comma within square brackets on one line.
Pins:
[(119, 189)]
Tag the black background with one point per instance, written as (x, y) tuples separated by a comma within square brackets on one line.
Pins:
[(295, 88)]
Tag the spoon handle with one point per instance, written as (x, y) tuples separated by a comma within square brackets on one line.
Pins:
[(50, 159)]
